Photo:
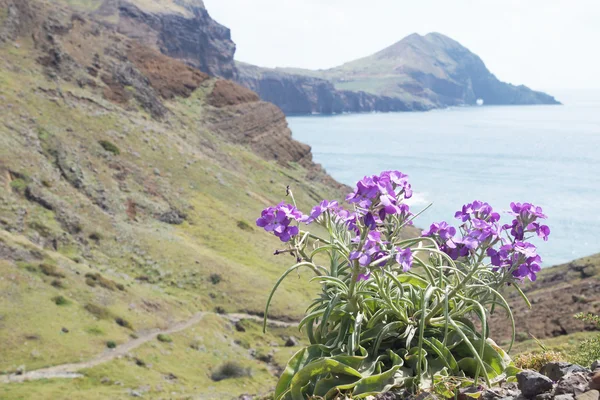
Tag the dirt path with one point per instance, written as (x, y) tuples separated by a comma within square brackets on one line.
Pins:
[(70, 370)]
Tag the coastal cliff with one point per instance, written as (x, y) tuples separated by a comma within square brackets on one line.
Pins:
[(416, 73)]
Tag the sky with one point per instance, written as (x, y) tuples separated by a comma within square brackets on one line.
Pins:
[(544, 44)]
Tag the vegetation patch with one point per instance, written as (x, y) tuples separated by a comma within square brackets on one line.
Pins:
[(536, 360), (243, 225), (230, 370), (93, 279), (215, 279), (111, 344), (124, 323), (51, 270), (61, 301), (98, 311), (18, 185), (164, 338), (110, 147)]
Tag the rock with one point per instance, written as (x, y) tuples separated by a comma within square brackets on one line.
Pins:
[(595, 382), (291, 341), (20, 370), (135, 393), (544, 396), (65, 330), (156, 171), (172, 217), (564, 397), (589, 395), (533, 383), (556, 370), (596, 365), (245, 397), (574, 383), (239, 326)]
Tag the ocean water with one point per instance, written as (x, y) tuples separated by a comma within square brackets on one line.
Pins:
[(546, 155)]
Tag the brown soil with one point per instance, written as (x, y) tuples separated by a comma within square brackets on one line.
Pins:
[(227, 93), (169, 77)]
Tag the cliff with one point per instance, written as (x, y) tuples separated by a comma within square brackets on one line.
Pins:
[(416, 73), (182, 29)]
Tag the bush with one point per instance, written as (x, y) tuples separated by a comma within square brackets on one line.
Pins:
[(230, 370), (164, 338), (395, 312), (243, 225), (124, 323), (215, 279), (51, 270), (110, 147), (60, 301), (588, 350), (536, 360), (97, 311), (57, 283), (111, 344)]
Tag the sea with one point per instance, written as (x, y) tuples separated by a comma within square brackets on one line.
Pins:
[(545, 155)]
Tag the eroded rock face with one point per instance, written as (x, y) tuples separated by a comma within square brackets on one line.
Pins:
[(195, 38)]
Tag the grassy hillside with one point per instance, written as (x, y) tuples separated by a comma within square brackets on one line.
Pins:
[(126, 208)]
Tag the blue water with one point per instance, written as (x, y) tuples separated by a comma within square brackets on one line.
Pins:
[(547, 155)]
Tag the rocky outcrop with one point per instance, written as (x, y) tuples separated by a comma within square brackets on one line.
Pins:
[(191, 36)]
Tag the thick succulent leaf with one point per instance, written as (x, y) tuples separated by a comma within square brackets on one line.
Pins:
[(335, 384), (375, 384), (296, 363), (319, 367), (443, 352)]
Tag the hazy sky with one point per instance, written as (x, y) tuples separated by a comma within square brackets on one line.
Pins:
[(545, 44)]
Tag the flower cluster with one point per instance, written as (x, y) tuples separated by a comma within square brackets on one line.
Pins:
[(278, 219), (382, 194), (481, 232)]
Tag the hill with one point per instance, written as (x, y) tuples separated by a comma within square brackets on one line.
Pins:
[(130, 183), (416, 73)]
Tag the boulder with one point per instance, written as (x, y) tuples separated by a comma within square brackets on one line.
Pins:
[(533, 383), (556, 370), (574, 383)]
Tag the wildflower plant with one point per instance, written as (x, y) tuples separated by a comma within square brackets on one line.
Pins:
[(396, 312)]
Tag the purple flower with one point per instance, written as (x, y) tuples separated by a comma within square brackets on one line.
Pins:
[(404, 257), (318, 210), (277, 220)]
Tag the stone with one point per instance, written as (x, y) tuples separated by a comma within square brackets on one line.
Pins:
[(544, 396), (564, 397), (291, 341), (589, 395), (533, 383), (596, 365), (556, 370), (574, 383), (135, 393), (595, 382)]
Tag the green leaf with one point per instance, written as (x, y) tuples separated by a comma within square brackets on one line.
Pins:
[(296, 363), (316, 368), (375, 384), (443, 352)]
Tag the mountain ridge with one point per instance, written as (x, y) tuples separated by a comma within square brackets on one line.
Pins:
[(414, 74)]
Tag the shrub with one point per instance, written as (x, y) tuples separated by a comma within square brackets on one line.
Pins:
[(215, 279), (110, 147), (124, 323), (395, 312), (243, 225), (57, 283), (51, 270), (111, 344), (164, 338), (536, 360), (230, 370), (60, 301), (97, 311), (96, 237), (588, 350)]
